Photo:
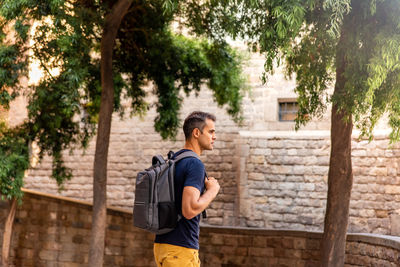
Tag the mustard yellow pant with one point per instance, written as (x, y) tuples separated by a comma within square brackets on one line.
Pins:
[(167, 255)]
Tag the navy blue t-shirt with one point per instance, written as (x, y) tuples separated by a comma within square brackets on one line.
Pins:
[(188, 172)]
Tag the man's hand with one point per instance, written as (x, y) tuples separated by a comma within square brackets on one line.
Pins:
[(212, 184)]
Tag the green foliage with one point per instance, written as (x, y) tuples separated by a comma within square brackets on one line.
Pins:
[(366, 45), (294, 31), (197, 62), (11, 70), (315, 38), (372, 67), (64, 39), (14, 160), (267, 26), (174, 63), (337, 11), (312, 60), (227, 79)]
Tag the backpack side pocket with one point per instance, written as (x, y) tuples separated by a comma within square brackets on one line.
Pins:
[(167, 215)]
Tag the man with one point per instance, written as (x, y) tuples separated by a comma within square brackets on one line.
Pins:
[(180, 247)]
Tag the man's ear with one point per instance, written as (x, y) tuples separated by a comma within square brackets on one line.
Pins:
[(196, 132)]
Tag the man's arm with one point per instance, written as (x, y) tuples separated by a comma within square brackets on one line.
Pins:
[(193, 203)]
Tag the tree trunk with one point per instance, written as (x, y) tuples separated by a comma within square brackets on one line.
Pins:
[(8, 228), (99, 216), (340, 177)]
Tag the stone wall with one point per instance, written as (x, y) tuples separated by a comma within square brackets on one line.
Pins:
[(276, 180), (282, 181), (54, 231), (269, 178)]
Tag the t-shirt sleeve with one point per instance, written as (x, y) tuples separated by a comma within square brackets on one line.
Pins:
[(195, 174)]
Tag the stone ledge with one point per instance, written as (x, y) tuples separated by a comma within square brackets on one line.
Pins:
[(259, 231), (317, 134), (88, 204), (307, 134), (373, 239)]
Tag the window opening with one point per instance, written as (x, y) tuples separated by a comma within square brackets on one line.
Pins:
[(288, 110)]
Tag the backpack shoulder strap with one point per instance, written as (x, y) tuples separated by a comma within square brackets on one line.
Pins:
[(186, 154)]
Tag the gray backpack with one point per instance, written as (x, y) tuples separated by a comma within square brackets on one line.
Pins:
[(154, 209)]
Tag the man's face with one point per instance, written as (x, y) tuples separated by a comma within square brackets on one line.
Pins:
[(207, 138)]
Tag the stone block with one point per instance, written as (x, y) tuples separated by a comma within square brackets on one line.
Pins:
[(392, 189), (215, 221), (320, 170), (217, 240), (276, 143), (382, 213), (261, 151), (257, 159), (281, 169), (21, 213), (299, 243), (259, 241), (261, 252), (321, 160), (395, 224), (293, 160), (376, 171), (52, 245), (306, 187), (112, 250), (49, 255), (295, 178), (69, 264), (287, 186), (275, 160), (256, 176), (252, 223), (279, 152), (313, 244), (358, 153), (241, 251), (242, 150)]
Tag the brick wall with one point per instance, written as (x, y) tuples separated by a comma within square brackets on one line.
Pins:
[(53, 231)]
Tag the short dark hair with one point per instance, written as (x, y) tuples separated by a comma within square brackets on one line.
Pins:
[(196, 119)]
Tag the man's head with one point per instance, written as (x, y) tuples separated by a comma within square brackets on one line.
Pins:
[(200, 126)]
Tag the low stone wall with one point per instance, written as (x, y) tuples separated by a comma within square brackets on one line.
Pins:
[(234, 247), (53, 231), (56, 232), (372, 250)]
